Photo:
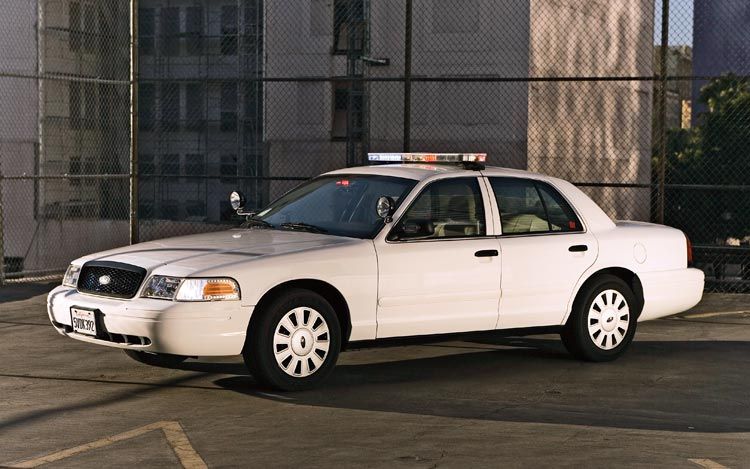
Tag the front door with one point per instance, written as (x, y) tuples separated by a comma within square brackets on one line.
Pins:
[(438, 270)]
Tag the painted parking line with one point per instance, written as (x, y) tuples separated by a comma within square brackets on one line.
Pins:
[(711, 315), (707, 463), (173, 431)]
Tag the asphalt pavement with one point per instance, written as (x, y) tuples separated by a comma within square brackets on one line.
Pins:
[(679, 397)]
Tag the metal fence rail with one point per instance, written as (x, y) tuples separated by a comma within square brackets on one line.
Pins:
[(131, 121)]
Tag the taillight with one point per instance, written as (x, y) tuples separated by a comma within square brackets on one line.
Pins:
[(689, 251)]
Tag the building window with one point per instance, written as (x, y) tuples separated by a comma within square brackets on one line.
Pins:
[(74, 26), (348, 26), (229, 30), (253, 39), (74, 104), (228, 107), (253, 110), (146, 31), (146, 166), (226, 212), (169, 37), (90, 39), (89, 105), (170, 164), (195, 165), (348, 102), (170, 107), (74, 169), (145, 209), (253, 165), (194, 106), (146, 106), (228, 169), (170, 210), (194, 30), (195, 208)]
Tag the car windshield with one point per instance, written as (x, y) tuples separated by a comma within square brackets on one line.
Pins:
[(341, 205)]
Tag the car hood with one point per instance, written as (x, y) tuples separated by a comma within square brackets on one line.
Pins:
[(187, 254)]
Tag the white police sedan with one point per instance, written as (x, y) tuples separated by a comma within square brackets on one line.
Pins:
[(434, 244)]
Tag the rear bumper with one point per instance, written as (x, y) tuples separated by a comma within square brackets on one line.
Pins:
[(670, 292), (192, 329)]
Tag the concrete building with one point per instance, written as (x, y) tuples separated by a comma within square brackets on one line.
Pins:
[(582, 131), (18, 126), (84, 102), (200, 107), (721, 42)]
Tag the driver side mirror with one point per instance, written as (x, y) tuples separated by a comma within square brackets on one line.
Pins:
[(385, 208), (238, 201)]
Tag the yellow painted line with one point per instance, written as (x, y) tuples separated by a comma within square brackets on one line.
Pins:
[(707, 463), (173, 431)]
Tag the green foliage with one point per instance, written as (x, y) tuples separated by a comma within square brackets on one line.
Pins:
[(716, 152)]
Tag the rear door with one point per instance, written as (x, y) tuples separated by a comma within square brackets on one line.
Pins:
[(545, 250), (438, 269)]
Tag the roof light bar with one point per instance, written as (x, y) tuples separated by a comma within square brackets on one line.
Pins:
[(428, 157)]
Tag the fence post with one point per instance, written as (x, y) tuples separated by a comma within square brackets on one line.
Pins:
[(407, 75), (133, 218), (2, 239), (662, 116)]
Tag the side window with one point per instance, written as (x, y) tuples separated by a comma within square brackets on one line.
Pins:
[(450, 208), (560, 215), (532, 207)]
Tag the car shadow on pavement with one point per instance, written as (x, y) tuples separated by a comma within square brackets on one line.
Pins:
[(686, 386)]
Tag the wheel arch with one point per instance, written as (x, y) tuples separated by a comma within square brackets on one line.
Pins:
[(324, 289), (626, 275)]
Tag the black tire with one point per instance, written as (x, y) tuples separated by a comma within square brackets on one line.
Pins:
[(164, 360), (260, 349), (605, 346)]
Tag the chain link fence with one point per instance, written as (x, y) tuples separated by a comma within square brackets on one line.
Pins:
[(645, 104)]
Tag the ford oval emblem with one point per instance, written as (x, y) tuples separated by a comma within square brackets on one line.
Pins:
[(105, 280)]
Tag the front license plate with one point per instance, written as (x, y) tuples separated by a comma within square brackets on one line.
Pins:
[(84, 321)]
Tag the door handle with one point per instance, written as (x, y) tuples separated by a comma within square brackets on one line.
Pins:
[(578, 248), (486, 253)]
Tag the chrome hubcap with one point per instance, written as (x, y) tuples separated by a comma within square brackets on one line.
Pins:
[(301, 341), (608, 319)]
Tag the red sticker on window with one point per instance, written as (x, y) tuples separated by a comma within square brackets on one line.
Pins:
[(572, 225)]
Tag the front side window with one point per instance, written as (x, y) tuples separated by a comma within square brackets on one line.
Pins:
[(341, 205), (451, 208), (528, 207)]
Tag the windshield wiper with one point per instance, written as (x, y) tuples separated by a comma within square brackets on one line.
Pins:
[(257, 222), (301, 226)]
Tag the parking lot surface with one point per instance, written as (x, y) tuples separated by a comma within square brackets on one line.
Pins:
[(679, 397)]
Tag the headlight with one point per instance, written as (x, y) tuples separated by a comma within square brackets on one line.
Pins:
[(191, 289), (71, 276), (208, 289), (161, 287)]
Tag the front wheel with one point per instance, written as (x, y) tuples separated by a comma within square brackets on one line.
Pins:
[(603, 320), (164, 360), (295, 342)]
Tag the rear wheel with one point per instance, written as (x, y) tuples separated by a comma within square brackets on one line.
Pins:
[(603, 320), (155, 359), (295, 342)]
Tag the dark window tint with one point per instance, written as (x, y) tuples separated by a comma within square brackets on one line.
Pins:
[(194, 106), (170, 106), (146, 31), (524, 207), (451, 208), (229, 30), (560, 215), (194, 30), (228, 107)]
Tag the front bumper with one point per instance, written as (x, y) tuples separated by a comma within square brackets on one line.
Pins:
[(181, 328), (670, 292)]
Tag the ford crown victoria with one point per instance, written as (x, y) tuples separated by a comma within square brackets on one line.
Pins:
[(433, 244)]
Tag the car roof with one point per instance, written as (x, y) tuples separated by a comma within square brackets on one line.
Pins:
[(422, 171)]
